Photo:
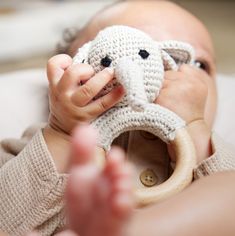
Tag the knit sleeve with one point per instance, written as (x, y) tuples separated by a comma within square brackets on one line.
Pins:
[(31, 191), (11, 147), (223, 159)]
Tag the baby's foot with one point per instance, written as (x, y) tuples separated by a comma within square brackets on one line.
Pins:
[(99, 201)]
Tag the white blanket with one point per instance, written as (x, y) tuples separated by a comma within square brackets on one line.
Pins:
[(36, 27)]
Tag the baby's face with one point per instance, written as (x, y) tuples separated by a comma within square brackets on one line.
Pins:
[(162, 21)]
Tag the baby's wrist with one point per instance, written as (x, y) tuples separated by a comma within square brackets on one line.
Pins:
[(58, 145), (201, 136), (58, 127), (60, 135)]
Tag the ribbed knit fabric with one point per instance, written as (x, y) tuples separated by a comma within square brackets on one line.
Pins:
[(139, 63), (31, 190), (223, 158)]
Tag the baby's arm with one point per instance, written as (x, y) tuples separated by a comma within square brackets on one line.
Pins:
[(185, 92), (32, 181), (29, 186), (71, 92)]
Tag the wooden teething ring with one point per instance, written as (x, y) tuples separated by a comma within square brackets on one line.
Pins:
[(180, 178)]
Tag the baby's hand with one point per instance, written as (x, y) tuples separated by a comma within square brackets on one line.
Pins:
[(71, 92), (185, 93)]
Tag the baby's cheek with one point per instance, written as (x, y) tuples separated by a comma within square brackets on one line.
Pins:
[(211, 103)]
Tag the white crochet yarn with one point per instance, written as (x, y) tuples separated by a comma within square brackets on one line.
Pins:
[(139, 64)]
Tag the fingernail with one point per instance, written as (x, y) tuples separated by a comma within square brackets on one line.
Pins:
[(110, 70)]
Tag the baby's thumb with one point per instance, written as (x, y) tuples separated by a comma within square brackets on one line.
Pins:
[(56, 67)]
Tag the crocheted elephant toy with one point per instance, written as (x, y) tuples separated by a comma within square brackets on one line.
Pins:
[(139, 64)]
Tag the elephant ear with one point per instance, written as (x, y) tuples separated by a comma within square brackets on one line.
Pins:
[(175, 53), (82, 54)]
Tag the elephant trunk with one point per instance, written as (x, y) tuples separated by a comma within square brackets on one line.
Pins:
[(131, 76)]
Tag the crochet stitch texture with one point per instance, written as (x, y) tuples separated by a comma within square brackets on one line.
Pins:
[(139, 64)]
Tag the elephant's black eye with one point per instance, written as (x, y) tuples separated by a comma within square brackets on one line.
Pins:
[(106, 61), (143, 53)]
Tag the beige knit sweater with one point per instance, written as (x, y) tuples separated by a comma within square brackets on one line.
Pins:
[(31, 190)]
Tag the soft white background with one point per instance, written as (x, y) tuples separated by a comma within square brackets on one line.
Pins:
[(30, 30)]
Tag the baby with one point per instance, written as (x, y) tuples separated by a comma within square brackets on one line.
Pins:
[(32, 184)]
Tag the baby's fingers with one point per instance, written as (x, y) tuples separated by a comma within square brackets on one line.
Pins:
[(85, 93), (73, 76), (102, 104), (56, 67)]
